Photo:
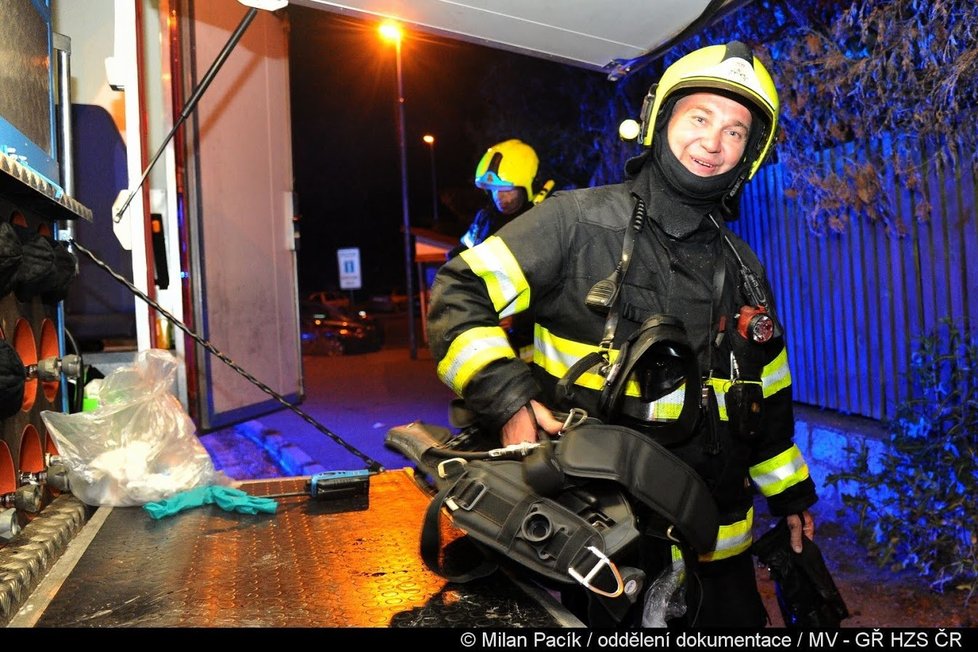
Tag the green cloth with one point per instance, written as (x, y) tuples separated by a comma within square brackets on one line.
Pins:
[(227, 498)]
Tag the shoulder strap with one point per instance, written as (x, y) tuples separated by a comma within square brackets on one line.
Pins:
[(621, 271), (605, 294), (431, 544), (653, 475)]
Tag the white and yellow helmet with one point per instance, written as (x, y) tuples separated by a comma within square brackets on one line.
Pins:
[(508, 165), (730, 69)]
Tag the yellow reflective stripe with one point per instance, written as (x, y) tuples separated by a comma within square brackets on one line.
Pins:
[(732, 539), (494, 263), (776, 375), (780, 472), (556, 355), (470, 352), (675, 553), (720, 387), (667, 408)]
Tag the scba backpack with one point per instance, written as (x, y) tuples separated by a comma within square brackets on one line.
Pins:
[(566, 509)]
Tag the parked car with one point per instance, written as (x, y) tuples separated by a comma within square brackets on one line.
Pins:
[(329, 298), (329, 330)]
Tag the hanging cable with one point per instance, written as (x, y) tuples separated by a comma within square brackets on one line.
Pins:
[(78, 397), (372, 464)]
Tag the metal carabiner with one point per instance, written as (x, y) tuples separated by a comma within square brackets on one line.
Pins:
[(575, 417)]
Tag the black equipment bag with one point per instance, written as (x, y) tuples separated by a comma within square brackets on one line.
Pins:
[(807, 595), (13, 378), (11, 255)]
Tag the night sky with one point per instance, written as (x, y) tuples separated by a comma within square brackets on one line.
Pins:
[(345, 144)]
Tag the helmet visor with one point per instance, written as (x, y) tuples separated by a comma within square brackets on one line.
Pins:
[(492, 181)]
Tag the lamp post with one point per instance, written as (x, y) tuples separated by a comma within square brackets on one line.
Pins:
[(391, 31), (430, 141)]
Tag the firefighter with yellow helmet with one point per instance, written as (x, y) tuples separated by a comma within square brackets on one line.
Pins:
[(604, 269), (506, 172)]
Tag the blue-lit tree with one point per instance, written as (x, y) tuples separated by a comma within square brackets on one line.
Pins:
[(863, 70), (905, 70), (915, 500)]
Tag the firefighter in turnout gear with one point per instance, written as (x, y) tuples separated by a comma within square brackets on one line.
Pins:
[(506, 172), (602, 268)]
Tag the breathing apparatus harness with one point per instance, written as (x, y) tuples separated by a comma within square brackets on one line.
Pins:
[(659, 358), (562, 508)]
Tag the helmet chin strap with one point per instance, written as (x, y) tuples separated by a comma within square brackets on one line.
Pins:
[(729, 203)]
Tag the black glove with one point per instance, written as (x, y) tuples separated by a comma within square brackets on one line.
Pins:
[(807, 595)]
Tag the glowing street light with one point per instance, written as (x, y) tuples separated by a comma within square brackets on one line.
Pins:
[(430, 141), (391, 31)]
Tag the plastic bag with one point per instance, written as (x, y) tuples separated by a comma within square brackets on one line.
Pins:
[(139, 445), (665, 598)]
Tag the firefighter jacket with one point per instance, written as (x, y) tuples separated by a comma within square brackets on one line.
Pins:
[(485, 223), (519, 327), (549, 258)]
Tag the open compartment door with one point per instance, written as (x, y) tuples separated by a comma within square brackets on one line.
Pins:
[(243, 285)]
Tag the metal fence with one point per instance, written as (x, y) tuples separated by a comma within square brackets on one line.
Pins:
[(855, 304)]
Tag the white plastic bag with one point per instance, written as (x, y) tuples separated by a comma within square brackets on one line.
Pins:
[(665, 598), (139, 445)]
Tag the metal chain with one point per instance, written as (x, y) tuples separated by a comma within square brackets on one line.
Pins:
[(372, 464)]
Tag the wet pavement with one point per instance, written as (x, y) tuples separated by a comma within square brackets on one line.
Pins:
[(357, 398)]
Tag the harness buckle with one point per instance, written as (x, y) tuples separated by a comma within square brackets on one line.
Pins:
[(462, 500), (443, 473), (585, 580)]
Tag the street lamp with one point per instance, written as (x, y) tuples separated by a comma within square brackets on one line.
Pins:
[(430, 140), (391, 31)]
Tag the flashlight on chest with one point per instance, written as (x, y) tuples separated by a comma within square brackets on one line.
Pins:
[(755, 324)]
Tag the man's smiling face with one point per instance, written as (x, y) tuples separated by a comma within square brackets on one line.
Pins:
[(708, 133)]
